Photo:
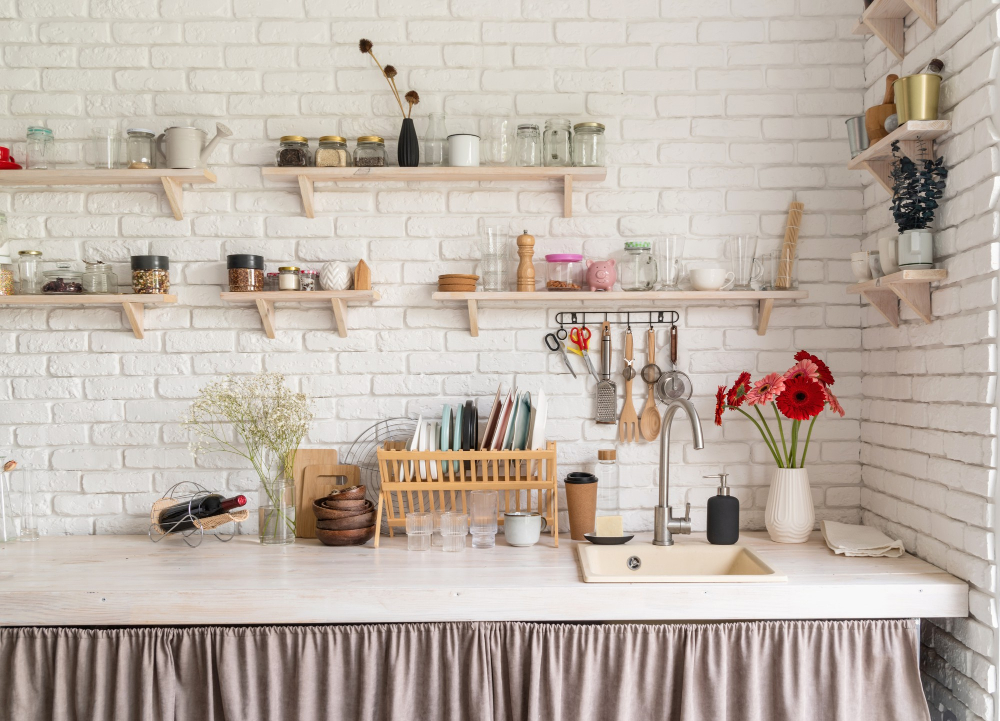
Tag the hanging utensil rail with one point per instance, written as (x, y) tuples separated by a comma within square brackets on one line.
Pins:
[(631, 317)]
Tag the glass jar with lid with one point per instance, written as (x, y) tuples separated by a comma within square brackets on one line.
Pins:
[(309, 280), (27, 271), (246, 273), (332, 152), (557, 143), (588, 145), (139, 153), (150, 274), (38, 148), (638, 270), (99, 278), (63, 279), (6, 273), (289, 278), (528, 146), (293, 152), (564, 271), (370, 152)]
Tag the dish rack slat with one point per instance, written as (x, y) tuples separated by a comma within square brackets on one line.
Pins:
[(525, 481)]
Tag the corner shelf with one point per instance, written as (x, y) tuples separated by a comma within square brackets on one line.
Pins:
[(134, 304), (338, 299), (764, 298), (308, 177), (884, 19), (913, 287), (878, 158), (171, 180)]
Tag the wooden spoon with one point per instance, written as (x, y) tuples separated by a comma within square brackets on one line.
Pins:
[(649, 422), (628, 420)]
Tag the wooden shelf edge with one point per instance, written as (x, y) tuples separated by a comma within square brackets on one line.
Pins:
[(910, 287), (88, 299), (430, 174), (619, 296), (91, 176), (902, 277), (910, 130)]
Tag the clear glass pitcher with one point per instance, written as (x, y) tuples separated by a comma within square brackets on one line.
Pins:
[(741, 249)]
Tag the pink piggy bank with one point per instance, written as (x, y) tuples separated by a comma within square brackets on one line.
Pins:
[(601, 274)]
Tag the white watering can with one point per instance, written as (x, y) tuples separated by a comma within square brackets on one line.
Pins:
[(185, 147)]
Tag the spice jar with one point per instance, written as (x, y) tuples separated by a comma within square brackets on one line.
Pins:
[(309, 280), (62, 279), (99, 278), (6, 275), (271, 282), (370, 152), (150, 274), (588, 145), (332, 152), (558, 150), (638, 270), (293, 152), (27, 270), (564, 271), (288, 278), (139, 148), (39, 145), (528, 146), (246, 273)]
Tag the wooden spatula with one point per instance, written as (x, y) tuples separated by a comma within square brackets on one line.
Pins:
[(876, 115), (628, 422)]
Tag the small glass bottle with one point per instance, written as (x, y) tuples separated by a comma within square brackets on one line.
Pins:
[(139, 152), (606, 471), (293, 152), (557, 142), (99, 278), (638, 269), (435, 141), (332, 152), (39, 145), (588, 145), (528, 146), (289, 278), (370, 152), (27, 269)]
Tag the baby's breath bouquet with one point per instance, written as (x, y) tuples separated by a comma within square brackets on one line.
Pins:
[(260, 419)]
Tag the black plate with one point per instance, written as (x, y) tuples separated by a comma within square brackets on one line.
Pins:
[(608, 540)]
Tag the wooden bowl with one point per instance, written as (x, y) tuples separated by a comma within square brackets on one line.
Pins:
[(330, 514), (363, 520), (458, 276), (347, 493), (353, 537), (335, 505)]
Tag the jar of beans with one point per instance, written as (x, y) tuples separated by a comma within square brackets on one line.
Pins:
[(150, 274), (246, 273), (370, 152), (6, 276), (332, 152), (293, 152)]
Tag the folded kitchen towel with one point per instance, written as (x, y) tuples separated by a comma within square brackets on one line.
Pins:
[(850, 540)]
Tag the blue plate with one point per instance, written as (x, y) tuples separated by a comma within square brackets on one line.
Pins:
[(444, 442), (456, 435)]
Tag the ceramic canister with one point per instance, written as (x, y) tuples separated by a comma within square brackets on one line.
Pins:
[(463, 150)]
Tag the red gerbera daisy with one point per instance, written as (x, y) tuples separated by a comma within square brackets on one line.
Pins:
[(720, 404), (825, 376), (802, 399), (834, 403), (739, 390)]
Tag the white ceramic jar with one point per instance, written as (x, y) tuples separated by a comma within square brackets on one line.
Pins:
[(463, 150)]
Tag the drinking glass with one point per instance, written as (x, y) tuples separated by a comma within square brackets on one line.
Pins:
[(29, 524), (498, 147), (783, 271), (669, 251), (484, 505), (419, 528), (435, 141), (106, 146), (494, 256), (9, 531), (740, 249), (454, 528)]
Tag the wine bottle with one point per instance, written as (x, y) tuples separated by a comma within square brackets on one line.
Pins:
[(177, 518)]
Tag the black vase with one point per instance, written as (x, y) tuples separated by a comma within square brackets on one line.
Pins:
[(408, 151)]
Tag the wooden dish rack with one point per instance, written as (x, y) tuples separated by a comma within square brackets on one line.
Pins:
[(525, 481)]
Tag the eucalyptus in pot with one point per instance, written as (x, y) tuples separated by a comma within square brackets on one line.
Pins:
[(263, 421), (917, 186), (408, 150)]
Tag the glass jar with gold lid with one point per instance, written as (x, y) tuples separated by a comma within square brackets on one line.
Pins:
[(293, 152), (588, 145), (370, 152), (332, 152)]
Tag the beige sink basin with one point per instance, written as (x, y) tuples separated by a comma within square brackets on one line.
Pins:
[(680, 563)]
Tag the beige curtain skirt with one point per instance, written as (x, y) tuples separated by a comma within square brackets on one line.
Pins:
[(754, 671)]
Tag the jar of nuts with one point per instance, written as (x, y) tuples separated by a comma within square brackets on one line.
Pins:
[(564, 271), (246, 273), (6, 276), (150, 274)]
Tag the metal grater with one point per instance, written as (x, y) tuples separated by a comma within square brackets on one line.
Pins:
[(607, 391)]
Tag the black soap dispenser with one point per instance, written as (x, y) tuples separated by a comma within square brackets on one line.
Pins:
[(723, 515)]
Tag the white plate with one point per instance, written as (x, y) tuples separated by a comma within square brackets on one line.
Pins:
[(422, 443), (433, 433), (444, 439), (538, 430)]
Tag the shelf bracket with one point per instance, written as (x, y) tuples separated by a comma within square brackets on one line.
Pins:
[(890, 32), (567, 196), (340, 313), (266, 310), (885, 302), (473, 318), (175, 196), (764, 308), (917, 297), (306, 187), (135, 313)]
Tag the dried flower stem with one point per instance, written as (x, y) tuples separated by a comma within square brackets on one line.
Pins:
[(392, 87)]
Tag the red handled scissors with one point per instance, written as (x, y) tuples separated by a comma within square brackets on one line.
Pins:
[(581, 339)]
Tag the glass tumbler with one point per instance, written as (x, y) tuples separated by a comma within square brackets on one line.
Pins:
[(740, 249), (106, 145), (435, 141), (669, 251), (528, 146), (498, 148), (483, 524), (419, 527), (783, 268), (494, 256), (29, 524), (454, 528)]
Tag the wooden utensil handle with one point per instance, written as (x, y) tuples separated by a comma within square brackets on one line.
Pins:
[(651, 345), (890, 91), (673, 344), (628, 345)]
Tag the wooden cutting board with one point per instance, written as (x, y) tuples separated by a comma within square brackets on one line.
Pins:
[(317, 482), (305, 457)]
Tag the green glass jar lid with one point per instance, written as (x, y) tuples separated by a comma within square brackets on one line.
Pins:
[(637, 245)]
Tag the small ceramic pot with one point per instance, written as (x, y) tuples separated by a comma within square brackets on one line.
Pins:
[(915, 249), (859, 266), (463, 150)]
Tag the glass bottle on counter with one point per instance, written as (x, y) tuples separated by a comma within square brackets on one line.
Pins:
[(27, 270), (38, 148), (637, 271), (557, 143), (99, 278), (293, 152), (370, 152), (588, 144), (606, 471)]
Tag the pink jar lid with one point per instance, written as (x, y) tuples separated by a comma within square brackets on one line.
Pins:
[(564, 258)]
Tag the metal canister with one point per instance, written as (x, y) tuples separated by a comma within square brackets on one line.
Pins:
[(917, 97), (857, 136)]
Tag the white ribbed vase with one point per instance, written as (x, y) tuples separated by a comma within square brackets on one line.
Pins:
[(789, 515)]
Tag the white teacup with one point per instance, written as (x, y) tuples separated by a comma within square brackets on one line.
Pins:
[(522, 528), (710, 278), (859, 266)]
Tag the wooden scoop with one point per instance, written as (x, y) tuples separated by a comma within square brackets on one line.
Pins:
[(876, 115), (649, 421)]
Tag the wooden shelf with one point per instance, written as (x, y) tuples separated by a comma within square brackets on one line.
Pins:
[(884, 19), (132, 303), (171, 180), (338, 299), (913, 287), (308, 177), (764, 298), (877, 159)]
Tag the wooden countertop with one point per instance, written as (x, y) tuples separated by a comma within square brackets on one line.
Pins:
[(130, 581)]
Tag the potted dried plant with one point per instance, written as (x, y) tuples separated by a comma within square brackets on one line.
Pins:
[(917, 186), (408, 150)]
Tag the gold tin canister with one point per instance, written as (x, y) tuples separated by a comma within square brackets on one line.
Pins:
[(917, 97)]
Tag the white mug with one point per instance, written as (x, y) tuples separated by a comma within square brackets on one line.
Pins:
[(710, 278), (859, 266), (183, 146), (463, 150), (522, 528)]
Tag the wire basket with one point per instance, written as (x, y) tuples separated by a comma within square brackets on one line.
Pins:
[(363, 453), (188, 492)]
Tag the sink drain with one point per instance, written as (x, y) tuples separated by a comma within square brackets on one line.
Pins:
[(633, 563)]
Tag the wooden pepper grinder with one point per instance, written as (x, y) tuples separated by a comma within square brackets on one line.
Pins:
[(526, 268)]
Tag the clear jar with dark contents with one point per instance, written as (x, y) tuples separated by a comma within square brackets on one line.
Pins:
[(246, 273), (370, 152), (293, 152), (150, 274)]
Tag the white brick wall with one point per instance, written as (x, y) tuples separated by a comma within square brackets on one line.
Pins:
[(929, 411)]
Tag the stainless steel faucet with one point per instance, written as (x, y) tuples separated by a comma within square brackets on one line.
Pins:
[(665, 525)]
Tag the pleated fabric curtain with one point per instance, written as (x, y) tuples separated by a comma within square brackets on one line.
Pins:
[(754, 671)]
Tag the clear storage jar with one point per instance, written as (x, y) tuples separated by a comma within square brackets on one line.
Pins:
[(588, 145), (271, 282), (528, 146), (38, 148), (150, 274), (370, 152), (289, 278), (62, 280), (293, 152), (27, 271), (638, 270), (332, 152), (6, 276), (99, 278), (246, 273), (309, 280), (564, 271), (139, 151), (557, 142)]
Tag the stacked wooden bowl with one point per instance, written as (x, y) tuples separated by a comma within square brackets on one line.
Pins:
[(457, 283), (345, 517)]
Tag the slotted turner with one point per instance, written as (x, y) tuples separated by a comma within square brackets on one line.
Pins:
[(628, 423)]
